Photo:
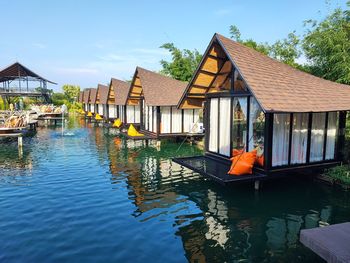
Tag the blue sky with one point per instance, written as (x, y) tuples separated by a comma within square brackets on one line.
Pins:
[(88, 42)]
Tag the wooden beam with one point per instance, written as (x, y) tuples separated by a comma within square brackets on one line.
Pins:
[(213, 57), (207, 72)]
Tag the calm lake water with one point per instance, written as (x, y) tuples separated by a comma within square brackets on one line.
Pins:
[(90, 196)]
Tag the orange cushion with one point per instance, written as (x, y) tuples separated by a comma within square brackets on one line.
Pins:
[(236, 152), (243, 163)]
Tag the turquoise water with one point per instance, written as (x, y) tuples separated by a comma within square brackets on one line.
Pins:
[(90, 196)]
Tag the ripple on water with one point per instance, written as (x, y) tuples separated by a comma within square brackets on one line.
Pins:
[(92, 196)]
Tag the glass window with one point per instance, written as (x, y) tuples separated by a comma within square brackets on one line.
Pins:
[(331, 135), (256, 128), (317, 136), (299, 138), (213, 125), (224, 131), (239, 129), (280, 139)]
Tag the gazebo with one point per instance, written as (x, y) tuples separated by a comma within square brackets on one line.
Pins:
[(17, 80)]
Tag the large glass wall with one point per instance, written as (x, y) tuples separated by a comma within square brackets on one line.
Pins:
[(299, 138), (224, 123), (317, 136), (213, 125), (239, 129), (176, 120), (280, 139), (256, 136), (165, 120), (332, 132)]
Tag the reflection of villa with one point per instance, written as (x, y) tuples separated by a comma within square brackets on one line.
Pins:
[(293, 119)]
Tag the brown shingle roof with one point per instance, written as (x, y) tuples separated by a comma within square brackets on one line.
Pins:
[(86, 96), (121, 90), (92, 97), (281, 88), (159, 90), (103, 93)]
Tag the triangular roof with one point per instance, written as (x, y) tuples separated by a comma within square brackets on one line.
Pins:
[(102, 94), (156, 89), (278, 87), (86, 96), (17, 70), (121, 90), (92, 96)]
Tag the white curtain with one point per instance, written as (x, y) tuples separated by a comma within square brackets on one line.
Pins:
[(146, 117), (299, 138), (112, 111), (225, 129), (176, 120), (137, 114), (331, 135), (92, 108), (85, 107), (100, 109), (154, 119), (150, 118), (165, 119), (130, 114), (188, 120), (317, 136), (121, 113), (213, 125), (280, 141)]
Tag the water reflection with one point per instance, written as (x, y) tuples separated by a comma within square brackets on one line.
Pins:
[(213, 222), (130, 194)]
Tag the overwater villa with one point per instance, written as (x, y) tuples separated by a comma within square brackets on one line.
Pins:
[(158, 96), (256, 106), (117, 95), (86, 97), (101, 100), (81, 97)]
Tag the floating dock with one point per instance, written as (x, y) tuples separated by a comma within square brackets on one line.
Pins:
[(332, 243)]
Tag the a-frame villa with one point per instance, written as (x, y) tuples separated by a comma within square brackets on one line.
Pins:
[(92, 100), (290, 119), (86, 97), (117, 95), (101, 100), (158, 97)]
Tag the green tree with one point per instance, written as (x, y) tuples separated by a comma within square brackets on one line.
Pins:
[(71, 92), (183, 63), (327, 46)]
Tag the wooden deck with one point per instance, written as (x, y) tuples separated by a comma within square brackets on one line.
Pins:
[(332, 243), (216, 170)]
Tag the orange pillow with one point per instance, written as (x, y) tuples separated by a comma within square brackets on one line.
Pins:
[(243, 163), (236, 152)]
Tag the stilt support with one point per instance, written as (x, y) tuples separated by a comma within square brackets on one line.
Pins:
[(256, 185)]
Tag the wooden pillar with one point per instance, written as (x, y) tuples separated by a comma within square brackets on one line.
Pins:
[(341, 136), (268, 141), (158, 120)]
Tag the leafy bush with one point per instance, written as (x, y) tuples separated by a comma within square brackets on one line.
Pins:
[(339, 173)]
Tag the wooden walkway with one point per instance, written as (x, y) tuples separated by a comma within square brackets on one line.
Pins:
[(332, 243)]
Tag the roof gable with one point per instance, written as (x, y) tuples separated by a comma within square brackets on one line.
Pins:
[(92, 97), (86, 96), (156, 89), (101, 94), (121, 90), (276, 86)]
